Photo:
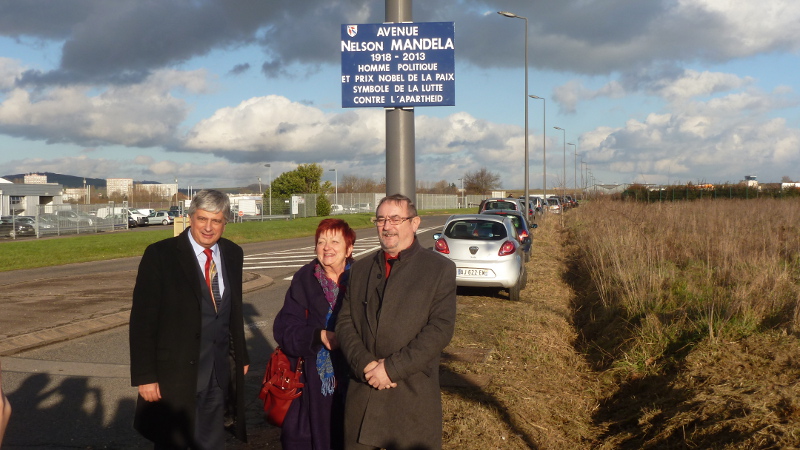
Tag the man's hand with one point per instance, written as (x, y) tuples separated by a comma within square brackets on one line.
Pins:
[(376, 376), (246, 368), (329, 339), (150, 392)]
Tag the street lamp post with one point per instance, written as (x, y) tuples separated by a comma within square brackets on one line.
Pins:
[(462, 192), (564, 140), (544, 145), (575, 168), (336, 196), (269, 166), (515, 16)]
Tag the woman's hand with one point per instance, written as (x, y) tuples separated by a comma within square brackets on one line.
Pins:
[(329, 340)]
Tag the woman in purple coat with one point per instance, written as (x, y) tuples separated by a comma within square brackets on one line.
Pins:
[(304, 327)]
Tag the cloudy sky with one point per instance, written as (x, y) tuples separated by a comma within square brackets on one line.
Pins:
[(209, 91)]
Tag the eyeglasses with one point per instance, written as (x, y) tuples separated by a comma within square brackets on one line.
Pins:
[(394, 220), (204, 220)]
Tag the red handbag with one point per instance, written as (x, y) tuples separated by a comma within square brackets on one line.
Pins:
[(280, 386)]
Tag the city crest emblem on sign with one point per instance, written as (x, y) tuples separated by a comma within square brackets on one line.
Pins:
[(352, 30)]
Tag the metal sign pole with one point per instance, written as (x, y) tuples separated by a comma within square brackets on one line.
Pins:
[(400, 149)]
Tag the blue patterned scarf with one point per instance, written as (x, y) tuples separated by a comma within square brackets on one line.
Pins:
[(324, 364)]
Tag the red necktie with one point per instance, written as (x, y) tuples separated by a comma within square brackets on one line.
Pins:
[(210, 273)]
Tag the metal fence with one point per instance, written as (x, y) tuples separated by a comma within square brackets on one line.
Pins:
[(65, 219)]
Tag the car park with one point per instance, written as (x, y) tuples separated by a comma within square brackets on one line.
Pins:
[(486, 250), (523, 231)]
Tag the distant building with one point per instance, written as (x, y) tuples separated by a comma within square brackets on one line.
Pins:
[(750, 181), (77, 194), (121, 186), (35, 178), (25, 199), (160, 190)]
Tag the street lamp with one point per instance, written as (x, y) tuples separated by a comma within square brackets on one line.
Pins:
[(269, 166), (544, 144), (462, 192), (564, 140), (575, 168), (514, 16), (336, 174)]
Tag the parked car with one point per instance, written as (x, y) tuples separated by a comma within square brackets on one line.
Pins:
[(523, 231), (38, 224), (75, 218), (363, 207), (160, 217), (554, 205), (512, 203), (486, 251), (141, 219), (15, 228), (337, 209)]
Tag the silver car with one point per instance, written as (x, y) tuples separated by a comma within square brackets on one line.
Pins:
[(486, 250)]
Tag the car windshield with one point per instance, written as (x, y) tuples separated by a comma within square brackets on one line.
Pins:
[(552, 201), (500, 205), (476, 230)]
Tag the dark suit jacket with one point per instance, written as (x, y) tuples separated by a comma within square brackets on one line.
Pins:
[(165, 336), (415, 323)]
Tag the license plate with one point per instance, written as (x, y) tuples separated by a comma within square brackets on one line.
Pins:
[(473, 272)]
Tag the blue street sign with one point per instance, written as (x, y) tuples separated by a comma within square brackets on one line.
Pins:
[(396, 65)]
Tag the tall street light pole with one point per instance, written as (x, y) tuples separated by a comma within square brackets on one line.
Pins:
[(336, 175), (514, 16), (564, 140), (575, 169), (462, 192), (544, 144), (269, 166)]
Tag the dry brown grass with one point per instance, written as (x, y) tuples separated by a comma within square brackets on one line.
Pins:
[(651, 326), (541, 392)]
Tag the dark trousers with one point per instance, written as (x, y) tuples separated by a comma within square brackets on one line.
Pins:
[(209, 425)]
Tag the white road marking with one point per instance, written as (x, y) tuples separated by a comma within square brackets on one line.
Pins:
[(298, 257)]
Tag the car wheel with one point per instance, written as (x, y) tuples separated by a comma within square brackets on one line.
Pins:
[(515, 291), (165, 222)]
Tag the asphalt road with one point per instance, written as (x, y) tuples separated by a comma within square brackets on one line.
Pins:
[(76, 393)]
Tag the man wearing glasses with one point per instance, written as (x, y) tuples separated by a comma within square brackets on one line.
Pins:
[(397, 316), (187, 345)]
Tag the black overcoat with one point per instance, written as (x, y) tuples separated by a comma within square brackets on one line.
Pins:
[(165, 329), (415, 323)]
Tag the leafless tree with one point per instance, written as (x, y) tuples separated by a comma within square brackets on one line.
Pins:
[(481, 181)]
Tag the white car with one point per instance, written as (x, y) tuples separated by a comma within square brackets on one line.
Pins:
[(486, 250)]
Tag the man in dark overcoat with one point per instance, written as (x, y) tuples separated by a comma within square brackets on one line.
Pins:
[(397, 316), (187, 341)]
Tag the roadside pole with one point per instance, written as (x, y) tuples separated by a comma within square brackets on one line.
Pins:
[(400, 132)]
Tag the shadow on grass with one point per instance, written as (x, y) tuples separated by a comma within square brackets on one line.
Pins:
[(465, 388)]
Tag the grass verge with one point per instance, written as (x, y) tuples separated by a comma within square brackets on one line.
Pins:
[(534, 390)]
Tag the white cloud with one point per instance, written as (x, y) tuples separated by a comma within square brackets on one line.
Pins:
[(144, 114), (717, 141)]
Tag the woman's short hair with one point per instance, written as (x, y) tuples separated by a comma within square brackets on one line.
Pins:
[(334, 225), (213, 201)]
